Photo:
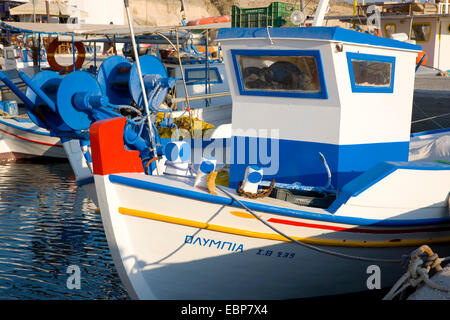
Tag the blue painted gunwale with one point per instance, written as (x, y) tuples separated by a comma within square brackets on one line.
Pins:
[(327, 217), (424, 133), (25, 129), (315, 33)]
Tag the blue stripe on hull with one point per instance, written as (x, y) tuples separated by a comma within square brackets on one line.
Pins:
[(206, 197)]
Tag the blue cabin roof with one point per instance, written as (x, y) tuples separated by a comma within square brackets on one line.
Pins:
[(322, 33)]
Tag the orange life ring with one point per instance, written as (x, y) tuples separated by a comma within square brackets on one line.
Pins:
[(51, 50), (210, 20)]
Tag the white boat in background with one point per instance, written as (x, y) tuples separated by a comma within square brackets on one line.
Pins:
[(430, 146), (14, 59), (22, 139), (297, 93)]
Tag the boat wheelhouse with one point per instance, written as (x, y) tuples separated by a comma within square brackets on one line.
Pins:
[(345, 94)]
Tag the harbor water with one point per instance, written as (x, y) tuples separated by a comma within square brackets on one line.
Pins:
[(47, 226)]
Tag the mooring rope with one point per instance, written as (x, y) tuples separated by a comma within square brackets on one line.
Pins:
[(417, 272), (431, 118)]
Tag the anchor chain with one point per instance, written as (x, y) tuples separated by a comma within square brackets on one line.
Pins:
[(259, 195)]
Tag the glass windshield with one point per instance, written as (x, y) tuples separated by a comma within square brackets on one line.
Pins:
[(372, 73), (280, 73)]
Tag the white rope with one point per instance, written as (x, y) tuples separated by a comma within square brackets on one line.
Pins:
[(270, 38), (418, 274), (426, 115), (430, 118)]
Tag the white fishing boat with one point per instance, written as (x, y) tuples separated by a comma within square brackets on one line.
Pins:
[(22, 139), (300, 95)]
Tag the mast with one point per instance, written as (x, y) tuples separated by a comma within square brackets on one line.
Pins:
[(320, 13)]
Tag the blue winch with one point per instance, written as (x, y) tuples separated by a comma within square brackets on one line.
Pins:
[(67, 106)]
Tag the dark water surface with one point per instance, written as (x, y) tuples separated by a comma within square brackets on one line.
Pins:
[(47, 224)]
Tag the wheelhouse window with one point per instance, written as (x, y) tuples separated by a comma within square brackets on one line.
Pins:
[(371, 73), (421, 31), (280, 73), (198, 76), (10, 54)]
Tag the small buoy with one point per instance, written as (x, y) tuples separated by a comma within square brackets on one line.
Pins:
[(252, 179), (207, 166), (178, 154)]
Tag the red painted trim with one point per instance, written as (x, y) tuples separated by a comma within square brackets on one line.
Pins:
[(109, 155), (355, 230), (30, 140)]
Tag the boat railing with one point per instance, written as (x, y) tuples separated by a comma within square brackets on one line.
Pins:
[(201, 97)]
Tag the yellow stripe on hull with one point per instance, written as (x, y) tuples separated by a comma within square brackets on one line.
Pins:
[(274, 236)]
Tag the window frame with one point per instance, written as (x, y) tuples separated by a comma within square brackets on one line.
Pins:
[(429, 34), (323, 94), (389, 24), (191, 82), (369, 58)]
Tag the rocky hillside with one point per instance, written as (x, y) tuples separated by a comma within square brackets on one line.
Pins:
[(157, 13)]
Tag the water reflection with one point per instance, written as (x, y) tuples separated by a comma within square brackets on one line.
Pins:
[(47, 224)]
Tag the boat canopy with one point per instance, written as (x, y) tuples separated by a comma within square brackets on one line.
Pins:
[(98, 29)]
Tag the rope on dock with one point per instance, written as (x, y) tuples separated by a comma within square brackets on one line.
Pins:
[(428, 117), (421, 261), (431, 118)]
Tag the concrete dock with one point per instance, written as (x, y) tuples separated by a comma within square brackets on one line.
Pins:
[(441, 279), (431, 99)]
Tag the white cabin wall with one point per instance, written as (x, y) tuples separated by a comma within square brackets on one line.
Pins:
[(444, 46), (376, 117), (314, 120)]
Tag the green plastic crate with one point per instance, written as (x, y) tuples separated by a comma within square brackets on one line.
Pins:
[(278, 14)]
